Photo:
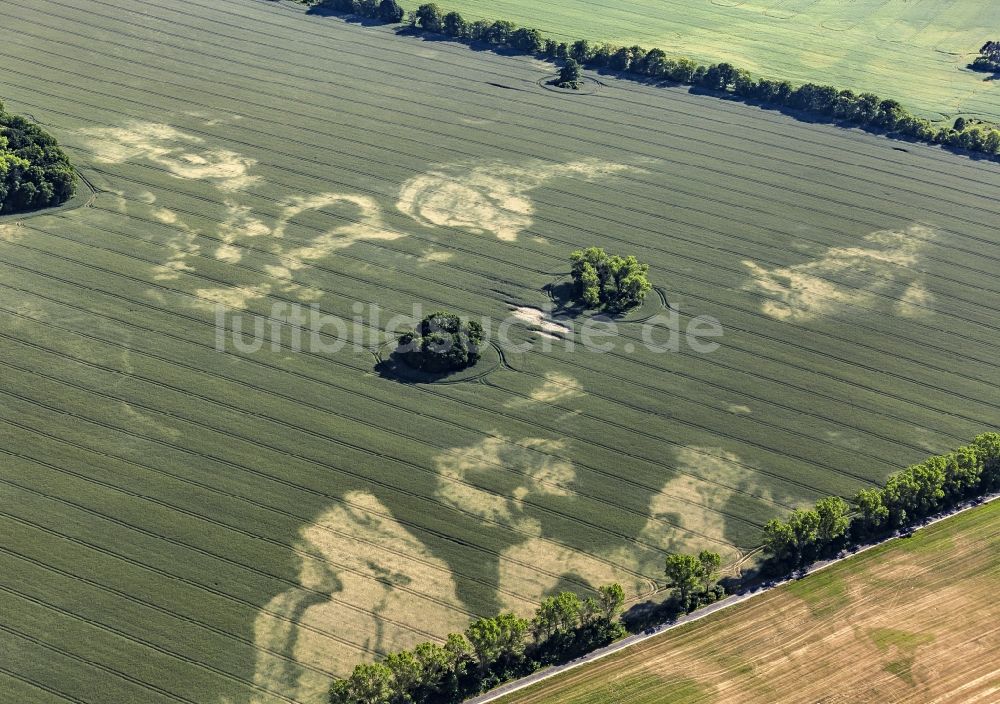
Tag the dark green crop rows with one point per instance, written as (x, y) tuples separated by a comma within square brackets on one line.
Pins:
[(184, 524)]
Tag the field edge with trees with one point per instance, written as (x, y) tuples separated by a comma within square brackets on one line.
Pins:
[(496, 650)]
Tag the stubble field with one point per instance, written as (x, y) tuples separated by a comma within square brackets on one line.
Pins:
[(187, 524), (913, 621)]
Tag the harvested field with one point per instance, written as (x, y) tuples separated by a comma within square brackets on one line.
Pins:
[(912, 621)]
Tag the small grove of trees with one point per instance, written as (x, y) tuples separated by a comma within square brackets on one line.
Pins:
[(608, 281), (490, 651), (988, 59), (388, 11), (34, 172), (441, 342), (938, 483)]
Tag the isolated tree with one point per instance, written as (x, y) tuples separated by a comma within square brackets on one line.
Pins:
[(684, 573), (989, 57), (569, 74), (390, 11)]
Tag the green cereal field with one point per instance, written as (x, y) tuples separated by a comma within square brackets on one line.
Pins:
[(190, 515)]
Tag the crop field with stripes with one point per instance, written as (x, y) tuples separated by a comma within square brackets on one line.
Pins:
[(915, 51), (184, 523)]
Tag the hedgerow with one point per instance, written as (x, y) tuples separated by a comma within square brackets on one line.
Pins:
[(841, 106)]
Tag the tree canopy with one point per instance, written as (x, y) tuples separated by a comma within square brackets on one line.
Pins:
[(989, 57), (442, 342), (608, 281), (569, 74), (491, 649), (690, 575), (34, 172)]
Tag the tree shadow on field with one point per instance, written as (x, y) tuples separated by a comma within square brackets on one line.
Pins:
[(430, 37), (323, 11)]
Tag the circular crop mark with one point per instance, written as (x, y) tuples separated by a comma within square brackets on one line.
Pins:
[(590, 85)]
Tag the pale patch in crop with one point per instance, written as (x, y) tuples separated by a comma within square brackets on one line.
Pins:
[(488, 198), (543, 473), (239, 223), (518, 571), (697, 505), (431, 256), (358, 565), (739, 409), (182, 155), (233, 297), (914, 301), (182, 244), (11, 233), (846, 277), (536, 318), (556, 387), (365, 223)]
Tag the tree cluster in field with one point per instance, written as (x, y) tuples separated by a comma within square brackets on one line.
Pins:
[(387, 11), (441, 342), (608, 281), (865, 110), (569, 75), (490, 651), (34, 172), (988, 59), (909, 496)]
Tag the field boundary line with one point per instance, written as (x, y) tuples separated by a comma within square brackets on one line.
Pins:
[(706, 611)]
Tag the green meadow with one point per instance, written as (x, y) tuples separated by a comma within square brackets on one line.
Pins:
[(915, 52)]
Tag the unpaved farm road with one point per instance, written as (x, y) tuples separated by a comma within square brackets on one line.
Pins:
[(701, 613)]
